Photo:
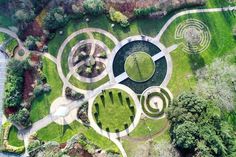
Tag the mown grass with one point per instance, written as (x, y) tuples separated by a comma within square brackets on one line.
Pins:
[(41, 105), (13, 139), (61, 134), (185, 65), (88, 86), (113, 111)]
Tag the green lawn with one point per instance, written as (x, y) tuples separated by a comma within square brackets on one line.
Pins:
[(41, 105), (147, 127), (113, 110), (61, 134), (13, 139), (139, 66), (88, 86), (185, 65)]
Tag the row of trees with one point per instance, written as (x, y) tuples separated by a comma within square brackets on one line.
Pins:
[(14, 90)]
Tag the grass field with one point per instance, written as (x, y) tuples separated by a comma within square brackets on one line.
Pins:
[(13, 139), (185, 65), (61, 134), (147, 127), (88, 86), (41, 105), (139, 66), (113, 110)]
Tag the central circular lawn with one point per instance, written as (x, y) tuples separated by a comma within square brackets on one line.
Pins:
[(139, 66), (113, 110)]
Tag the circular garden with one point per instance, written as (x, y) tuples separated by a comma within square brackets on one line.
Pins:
[(154, 101), (150, 74), (139, 66), (113, 110)]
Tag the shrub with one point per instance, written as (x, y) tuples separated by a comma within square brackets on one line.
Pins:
[(21, 118), (118, 17), (94, 7), (33, 144), (38, 90), (56, 18), (77, 11), (31, 42), (14, 83), (144, 11)]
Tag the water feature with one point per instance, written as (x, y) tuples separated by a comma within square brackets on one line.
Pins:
[(136, 46)]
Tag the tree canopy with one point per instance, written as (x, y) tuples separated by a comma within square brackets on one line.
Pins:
[(94, 7), (198, 126)]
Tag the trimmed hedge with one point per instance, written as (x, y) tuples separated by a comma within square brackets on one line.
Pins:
[(151, 109)]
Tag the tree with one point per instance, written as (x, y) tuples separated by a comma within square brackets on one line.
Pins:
[(215, 82), (31, 42), (22, 118), (118, 17), (23, 15), (94, 7), (198, 126), (14, 83), (56, 18)]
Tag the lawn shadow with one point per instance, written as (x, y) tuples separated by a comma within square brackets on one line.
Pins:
[(102, 97), (196, 61), (120, 98), (65, 128), (111, 97)]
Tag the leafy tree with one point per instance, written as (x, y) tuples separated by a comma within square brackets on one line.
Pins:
[(21, 118), (144, 11), (56, 18), (31, 42), (77, 11), (118, 17), (216, 82), (94, 7), (198, 126), (14, 83), (23, 15)]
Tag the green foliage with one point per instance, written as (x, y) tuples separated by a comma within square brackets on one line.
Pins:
[(94, 7), (33, 145), (38, 90), (56, 18), (23, 15), (21, 118), (144, 11), (31, 42), (198, 126), (118, 17), (14, 83)]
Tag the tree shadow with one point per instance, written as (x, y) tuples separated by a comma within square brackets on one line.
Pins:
[(102, 97), (120, 98), (196, 61), (65, 128), (111, 97)]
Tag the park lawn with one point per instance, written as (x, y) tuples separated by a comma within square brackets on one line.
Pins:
[(147, 127), (144, 26), (10, 47), (185, 65), (139, 66), (114, 111), (109, 43), (88, 86), (61, 134), (41, 105), (13, 139)]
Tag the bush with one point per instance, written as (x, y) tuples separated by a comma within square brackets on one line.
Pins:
[(33, 144), (56, 18), (71, 94), (22, 118), (31, 42), (77, 11), (144, 11), (94, 7), (38, 90), (118, 17), (14, 83)]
